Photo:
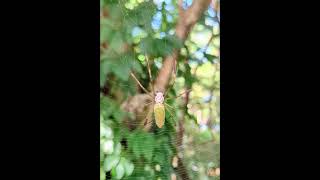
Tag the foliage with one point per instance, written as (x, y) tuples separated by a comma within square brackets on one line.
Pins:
[(129, 30)]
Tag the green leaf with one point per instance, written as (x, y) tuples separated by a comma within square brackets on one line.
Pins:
[(160, 47), (205, 136), (113, 172), (164, 47), (175, 41), (136, 66), (118, 114), (128, 87), (146, 143), (105, 33), (142, 144), (136, 148), (131, 144), (111, 1), (115, 12), (142, 15), (110, 162), (102, 174), (107, 106), (105, 68), (159, 157), (117, 149), (117, 42), (128, 167), (107, 146), (121, 70), (119, 171), (190, 79), (210, 57), (146, 46), (101, 3), (101, 155)]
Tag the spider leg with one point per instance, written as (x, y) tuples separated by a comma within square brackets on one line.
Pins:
[(187, 91), (169, 106), (144, 89), (147, 104), (148, 120), (150, 76)]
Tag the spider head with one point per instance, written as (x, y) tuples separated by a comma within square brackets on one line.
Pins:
[(159, 97)]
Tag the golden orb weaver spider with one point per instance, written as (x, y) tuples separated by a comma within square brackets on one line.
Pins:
[(158, 97)]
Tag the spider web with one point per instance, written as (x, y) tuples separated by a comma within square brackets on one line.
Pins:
[(202, 116)]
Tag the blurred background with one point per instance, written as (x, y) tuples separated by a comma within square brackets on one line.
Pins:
[(188, 146)]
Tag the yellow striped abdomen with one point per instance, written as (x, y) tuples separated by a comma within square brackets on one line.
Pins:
[(159, 114)]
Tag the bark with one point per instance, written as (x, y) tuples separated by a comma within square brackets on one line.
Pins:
[(182, 171)]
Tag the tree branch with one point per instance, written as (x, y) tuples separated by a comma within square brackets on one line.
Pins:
[(185, 23)]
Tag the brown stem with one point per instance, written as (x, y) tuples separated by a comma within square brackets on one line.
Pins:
[(181, 122), (181, 169), (183, 173)]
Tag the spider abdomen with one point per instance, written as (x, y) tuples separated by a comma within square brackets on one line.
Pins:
[(159, 114)]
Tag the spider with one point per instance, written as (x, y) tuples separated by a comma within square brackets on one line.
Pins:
[(158, 98)]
